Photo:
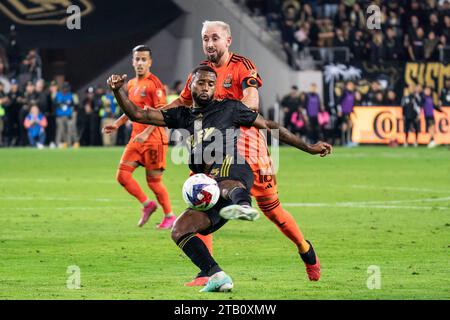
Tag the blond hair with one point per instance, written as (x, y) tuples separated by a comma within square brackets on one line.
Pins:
[(223, 25)]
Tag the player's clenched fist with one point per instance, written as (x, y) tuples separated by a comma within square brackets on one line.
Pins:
[(109, 128), (115, 82), (321, 148)]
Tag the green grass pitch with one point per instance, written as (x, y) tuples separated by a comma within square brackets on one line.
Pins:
[(361, 207)]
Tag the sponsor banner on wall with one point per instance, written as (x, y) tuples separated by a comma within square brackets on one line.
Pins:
[(431, 74), (381, 125)]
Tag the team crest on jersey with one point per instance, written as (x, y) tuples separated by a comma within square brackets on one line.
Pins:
[(214, 172), (228, 81)]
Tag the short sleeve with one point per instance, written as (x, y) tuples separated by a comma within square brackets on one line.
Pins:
[(186, 93), (175, 118), (248, 74), (243, 116), (158, 95)]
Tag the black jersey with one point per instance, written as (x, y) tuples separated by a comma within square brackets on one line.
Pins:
[(213, 130), (411, 106)]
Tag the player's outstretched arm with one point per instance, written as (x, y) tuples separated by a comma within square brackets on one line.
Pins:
[(110, 128), (154, 117), (291, 139)]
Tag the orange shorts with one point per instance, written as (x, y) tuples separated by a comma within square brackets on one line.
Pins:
[(252, 145), (265, 181), (150, 156)]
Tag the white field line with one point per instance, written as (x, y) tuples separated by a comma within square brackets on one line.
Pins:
[(39, 198), (68, 208), (288, 204), (398, 188), (398, 201), (348, 205), (62, 180)]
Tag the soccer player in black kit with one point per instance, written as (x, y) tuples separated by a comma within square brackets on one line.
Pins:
[(205, 119)]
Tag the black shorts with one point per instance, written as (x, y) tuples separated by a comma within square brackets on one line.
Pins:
[(228, 170), (429, 121), (411, 123), (345, 118), (232, 169)]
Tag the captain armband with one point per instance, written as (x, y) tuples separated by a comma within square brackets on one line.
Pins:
[(249, 82)]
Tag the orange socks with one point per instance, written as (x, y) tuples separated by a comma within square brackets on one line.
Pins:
[(207, 240), (125, 178), (160, 191), (284, 221)]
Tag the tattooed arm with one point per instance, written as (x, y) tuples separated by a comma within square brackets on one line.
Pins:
[(149, 116)]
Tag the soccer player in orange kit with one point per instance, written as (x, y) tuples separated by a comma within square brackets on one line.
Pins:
[(148, 144), (238, 78)]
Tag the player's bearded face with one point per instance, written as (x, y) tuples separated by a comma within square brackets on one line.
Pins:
[(141, 62), (215, 44), (203, 88)]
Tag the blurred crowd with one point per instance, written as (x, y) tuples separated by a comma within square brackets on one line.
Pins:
[(305, 114), (47, 114), (41, 113), (410, 29)]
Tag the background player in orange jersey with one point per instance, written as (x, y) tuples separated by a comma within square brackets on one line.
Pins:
[(148, 144), (238, 78)]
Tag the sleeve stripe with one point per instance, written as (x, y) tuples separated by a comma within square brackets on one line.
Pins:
[(248, 63), (247, 66)]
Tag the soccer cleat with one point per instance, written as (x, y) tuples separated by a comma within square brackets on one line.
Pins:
[(147, 212), (236, 211), (432, 144), (218, 282), (167, 222), (313, 270), (197, 282)]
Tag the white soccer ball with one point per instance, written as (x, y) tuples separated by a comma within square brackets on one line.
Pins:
[(200, 192)]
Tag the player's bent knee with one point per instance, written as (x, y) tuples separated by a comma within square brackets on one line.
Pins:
[(227, 186), (183, 225), (154, 179), (176, 234)]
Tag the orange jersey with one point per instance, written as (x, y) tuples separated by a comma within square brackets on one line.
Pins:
[(230, 78), (148, 93)]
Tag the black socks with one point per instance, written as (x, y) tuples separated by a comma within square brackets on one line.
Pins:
[(240, 196), (309, 257), (199, 254)]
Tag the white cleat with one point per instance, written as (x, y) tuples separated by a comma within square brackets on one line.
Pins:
[(432, 144), (236, 211), (218, 282)]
